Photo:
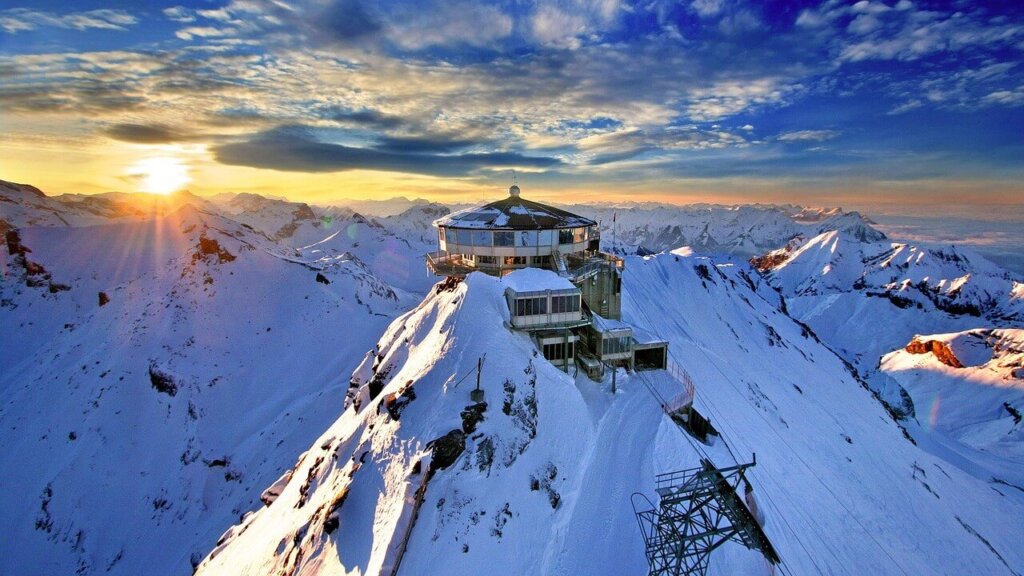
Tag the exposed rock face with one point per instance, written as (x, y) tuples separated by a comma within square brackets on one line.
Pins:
[(769, 260), (940, 349), (33, 273), (447, 449), (162, 381), (210, 247)]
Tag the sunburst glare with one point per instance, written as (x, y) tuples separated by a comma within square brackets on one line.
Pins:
[(159, 175)]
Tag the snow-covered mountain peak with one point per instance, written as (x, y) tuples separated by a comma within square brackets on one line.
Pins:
[(12, 190), (953, 279), (415, 475), (853, 224)]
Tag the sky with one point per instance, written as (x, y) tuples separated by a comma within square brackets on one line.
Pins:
[(900, 105)]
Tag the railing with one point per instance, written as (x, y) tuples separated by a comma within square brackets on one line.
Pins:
[(676, 478), (591, 267), (689, 393), (442, 263)]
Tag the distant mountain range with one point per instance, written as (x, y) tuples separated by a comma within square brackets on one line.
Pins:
[(175, 370)]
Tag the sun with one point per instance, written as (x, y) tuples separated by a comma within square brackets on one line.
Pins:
[(160, 175)]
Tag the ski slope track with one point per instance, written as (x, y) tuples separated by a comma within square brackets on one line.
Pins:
[(541, 484)]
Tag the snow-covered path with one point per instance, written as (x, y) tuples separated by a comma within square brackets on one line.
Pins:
[(601, 530)]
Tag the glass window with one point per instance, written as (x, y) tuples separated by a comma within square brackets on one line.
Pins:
[(541, 260), (615, 345), (554, 351), (531, 306), (545, 238), (463, 237), (515, 260), (579, 234), (440, 233), (503, 238), (564, 304), (485, 259), (565, 236), (526, 238), (481, 237)]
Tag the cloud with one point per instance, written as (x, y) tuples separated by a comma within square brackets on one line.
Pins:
[(179, 14), (707, 8), (906, 107), (729, 97), (203, 32), (343, 21), (1006, 97), (419, 145), (444, 23), (807, 136), (566, 24), (145, 133), (294, 149), (364, 117), (17, 20), (906, 33)]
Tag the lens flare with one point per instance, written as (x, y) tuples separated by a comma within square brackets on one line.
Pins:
[(159, 175), (933, 415)]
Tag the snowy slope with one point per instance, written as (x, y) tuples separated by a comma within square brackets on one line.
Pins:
[(392, 247), (866, 298), (542, 484), (969, 391), (135, 431)]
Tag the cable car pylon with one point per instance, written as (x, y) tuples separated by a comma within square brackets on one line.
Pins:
[(699, 509)]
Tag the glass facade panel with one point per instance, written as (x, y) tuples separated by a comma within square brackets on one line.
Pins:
[(463, 237), (565, 236), (559, 351), (482, 238), (545, 238), (531, 306), (503, 238), (565, 304), (579, 234), (615, 345), (526, 238)]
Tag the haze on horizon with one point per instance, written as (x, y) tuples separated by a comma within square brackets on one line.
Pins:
[(898, 105)]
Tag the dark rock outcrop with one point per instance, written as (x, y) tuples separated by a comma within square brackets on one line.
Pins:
[(940, 349)]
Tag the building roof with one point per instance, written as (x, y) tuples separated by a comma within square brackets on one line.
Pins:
[(527, 280), (602, 324), (514, 213)]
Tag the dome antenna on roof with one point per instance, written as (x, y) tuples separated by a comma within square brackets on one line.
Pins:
[(514, 189)]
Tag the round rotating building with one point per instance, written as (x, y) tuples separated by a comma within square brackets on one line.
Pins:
[(578, 303), (509, 234)]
